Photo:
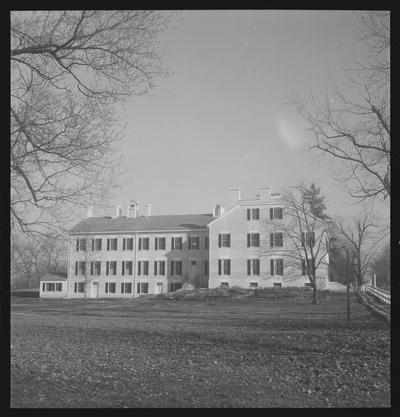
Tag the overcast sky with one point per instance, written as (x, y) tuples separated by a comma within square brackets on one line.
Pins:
[(220, 120)]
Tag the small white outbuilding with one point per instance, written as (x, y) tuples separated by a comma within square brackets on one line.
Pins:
[(53, 285)]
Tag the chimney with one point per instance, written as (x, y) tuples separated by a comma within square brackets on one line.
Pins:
[(148, 210), (133, 209), (218, 210), (118, 211), (89, 212), (265, 192), (235, 195)]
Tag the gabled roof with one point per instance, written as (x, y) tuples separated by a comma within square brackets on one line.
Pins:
[(176, 222), (54, 276)]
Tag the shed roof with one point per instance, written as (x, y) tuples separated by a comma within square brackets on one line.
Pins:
[(54, 276), (184, 222)]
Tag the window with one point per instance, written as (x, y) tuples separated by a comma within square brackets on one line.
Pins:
[(206, 242), (43, 287), (253, 214), (253, 267), (58, 286), (79, 287), (127, 243), (224, 240), (80, 268), (205, 267), (144, 243), (95, 268), (224, 284), (110, 287), (159, 267), (142, 287), (159, 243), (307, 267), (276, 213), (81, 245), (96, 244), (112, 244), (277, 284), (127, 268), (253, 240), (126, 288), (143, 268), (176, 243), (276, 240), (50, 286), (307, 284), (253, 284), (176, 267), (224, 266), (194, 242), (308, 238), (276, 266), (111, 265), (175, 286)]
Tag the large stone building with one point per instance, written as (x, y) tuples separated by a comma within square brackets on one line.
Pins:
[(126, 256)]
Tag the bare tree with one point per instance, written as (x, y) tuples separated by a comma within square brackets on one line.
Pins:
[(68, 70), (33, 256), (353, 127), (304, 244), (362, 236)]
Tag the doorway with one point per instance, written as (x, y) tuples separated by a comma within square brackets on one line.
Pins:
[(95, 290)]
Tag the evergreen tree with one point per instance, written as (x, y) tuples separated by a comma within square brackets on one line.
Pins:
[(315, 201)]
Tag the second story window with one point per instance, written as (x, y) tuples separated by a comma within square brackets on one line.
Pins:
[(224, 266), (111, 268), (308, 238), (253, 240), (80, 268), (276, 240), (307, 267), (253, 214), (176, 267), (159, 243), (206, 242), (95, 268), (127, 268), (194, 242), (144, 243), (176, 243), (276, 213), (143, 268), (206, 268), (159, 267), (224, 240), (112, 244)]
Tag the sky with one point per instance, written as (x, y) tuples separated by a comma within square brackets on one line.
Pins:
[(220, 119)]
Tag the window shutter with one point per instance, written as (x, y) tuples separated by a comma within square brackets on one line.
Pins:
[(107, 268), (257, 239), (155, 267), (156, 243), (123, 243), (219, 266), (75, 286), (248, 214), (108, 244), (139, 266), (140, 243), (219, 240), (76, 268), (248, 267), (271, 214), (272, 266), (229, 241), (77, 245), (91, 268), (172, 243), (271, 240), (257, 214), (123, 267), (172, 267), (92, 245), (228, 266), (248, 240), (257, 262)]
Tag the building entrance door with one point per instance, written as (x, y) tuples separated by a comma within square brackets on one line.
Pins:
[(159, 288), (193, 272), (95, 290)]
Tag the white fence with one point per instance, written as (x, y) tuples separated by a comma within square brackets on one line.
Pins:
[(382, 295)]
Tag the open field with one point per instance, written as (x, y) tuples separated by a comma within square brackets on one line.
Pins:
[(151, 352)]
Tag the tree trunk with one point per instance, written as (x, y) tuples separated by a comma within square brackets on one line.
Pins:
[(315, 291)]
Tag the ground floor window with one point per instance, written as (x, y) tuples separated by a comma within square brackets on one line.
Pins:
[(126, 288), (277, 285), (79, 287), (175, 286), (110, 287), (253, 284), (307, 284), (224, 284), (143, 287), (58, 286), (50, 286)]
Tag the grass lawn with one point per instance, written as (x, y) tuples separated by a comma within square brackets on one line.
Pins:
[(151, 352)]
